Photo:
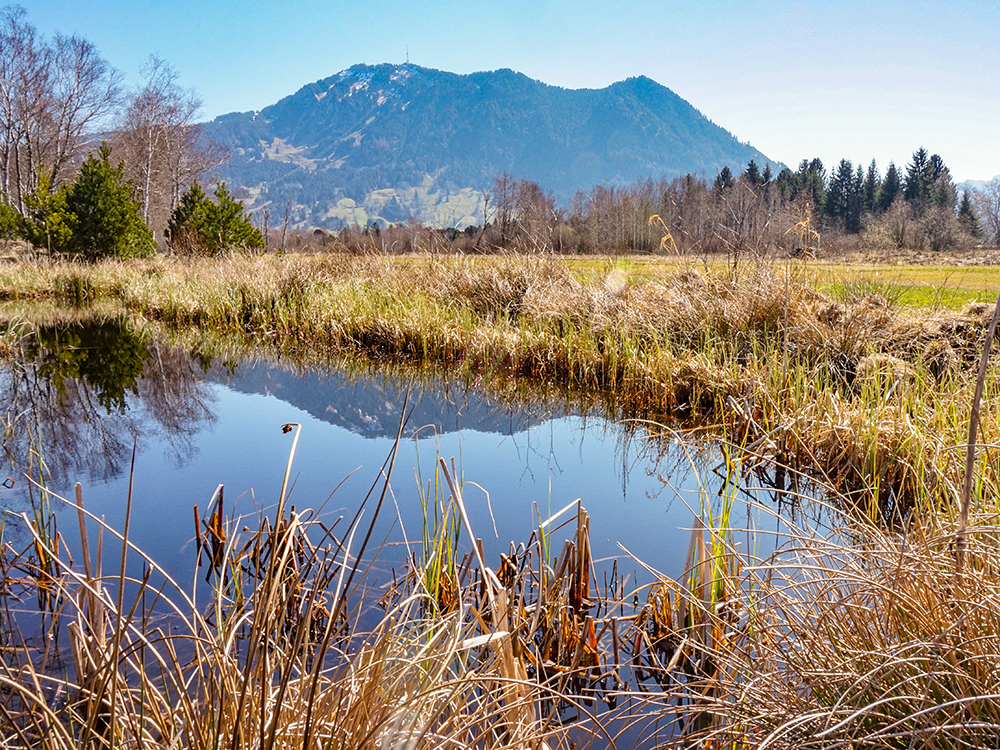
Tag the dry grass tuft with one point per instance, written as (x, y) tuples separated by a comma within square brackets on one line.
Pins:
[(862, 640)]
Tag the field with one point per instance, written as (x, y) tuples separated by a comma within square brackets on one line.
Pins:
[(859, 379)]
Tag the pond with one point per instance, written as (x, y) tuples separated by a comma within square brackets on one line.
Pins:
[(80, 396)]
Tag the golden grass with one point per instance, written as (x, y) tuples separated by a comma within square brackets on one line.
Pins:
[(860, 390), (272, 653), (860, 639)]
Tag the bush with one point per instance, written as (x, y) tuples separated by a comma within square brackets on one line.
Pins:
[(200, 226)]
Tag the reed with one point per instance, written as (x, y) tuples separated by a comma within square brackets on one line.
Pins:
[(273, 653), (860, 639), (856, 636)]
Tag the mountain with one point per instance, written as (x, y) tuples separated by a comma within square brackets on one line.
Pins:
[(385, 142), (974, 185), (371, 407)]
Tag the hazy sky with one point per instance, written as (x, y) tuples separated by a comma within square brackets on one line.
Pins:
[(856, 80)]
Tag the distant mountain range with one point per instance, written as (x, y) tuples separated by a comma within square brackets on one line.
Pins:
[(973, 185), (372, 406), (387, 142)]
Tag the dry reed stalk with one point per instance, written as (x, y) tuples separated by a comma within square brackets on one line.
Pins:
[(970, 458)]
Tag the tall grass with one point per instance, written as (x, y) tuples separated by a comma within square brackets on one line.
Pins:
[(282, 648), (860, 639), (864, 393)]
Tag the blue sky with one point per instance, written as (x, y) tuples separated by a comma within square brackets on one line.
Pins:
[(856, 80)]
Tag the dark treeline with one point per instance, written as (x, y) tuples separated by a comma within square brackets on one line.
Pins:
[(797, 212)]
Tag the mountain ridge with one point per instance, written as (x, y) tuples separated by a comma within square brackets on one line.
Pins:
[(386, 142)]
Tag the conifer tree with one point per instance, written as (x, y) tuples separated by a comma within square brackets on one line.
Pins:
[(108, 222), (918, 174), (200, 225), (870, 189), (47, 223), (967, 217), (724, 181), (838, 193), (891, 187)]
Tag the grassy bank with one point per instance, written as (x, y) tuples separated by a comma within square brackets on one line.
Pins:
[(871, 395)]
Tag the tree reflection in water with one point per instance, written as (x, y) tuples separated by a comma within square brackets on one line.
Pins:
[(76, 395)]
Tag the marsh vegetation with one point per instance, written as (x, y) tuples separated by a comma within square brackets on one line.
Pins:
[(870, 633)]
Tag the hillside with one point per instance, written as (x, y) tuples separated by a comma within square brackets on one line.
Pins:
[(384, 142)]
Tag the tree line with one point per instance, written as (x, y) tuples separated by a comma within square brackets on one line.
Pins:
[(754, 211), (797, 212), (135, 186), (123, 191)]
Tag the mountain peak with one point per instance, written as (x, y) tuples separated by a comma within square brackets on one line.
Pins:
[(388, 141)]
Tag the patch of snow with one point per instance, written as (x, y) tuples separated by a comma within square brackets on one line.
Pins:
[(401, 73), (320, 96)]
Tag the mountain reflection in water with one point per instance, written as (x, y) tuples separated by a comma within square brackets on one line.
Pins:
[(80, 396)]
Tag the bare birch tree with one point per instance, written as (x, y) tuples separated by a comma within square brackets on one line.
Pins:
[(52, 96), (160, 143)]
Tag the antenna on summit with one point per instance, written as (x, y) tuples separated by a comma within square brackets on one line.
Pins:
[(407, 54)]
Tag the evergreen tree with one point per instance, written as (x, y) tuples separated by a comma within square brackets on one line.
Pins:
[(870, 190), (810, 181), (918, 174), (839, 192), (108, 222), (852, 222), (786, 183), (724, 181), (200, 225), (47, 223), (766, 174), (892, 186), (942, 191), (752, 174), (11, 222), (967, 217)]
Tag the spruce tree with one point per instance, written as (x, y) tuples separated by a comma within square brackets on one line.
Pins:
[(752, 174), (870, 189), (108, 222), (967, 217), (838, 193), (917, 172), (47, 223), (891, 187), (852, 222), (724, 180), (811, 181), (200, 225)]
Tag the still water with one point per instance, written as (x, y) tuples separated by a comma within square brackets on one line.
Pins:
[(80, 397)]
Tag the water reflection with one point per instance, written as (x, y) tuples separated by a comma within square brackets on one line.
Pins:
[(79, 395), (371, 407)]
